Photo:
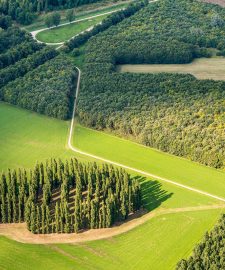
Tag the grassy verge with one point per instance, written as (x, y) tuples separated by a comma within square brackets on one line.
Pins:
[(203, 68), (79, 60), (66, 32)]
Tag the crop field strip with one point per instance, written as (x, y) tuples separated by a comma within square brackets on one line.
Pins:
[(203, 68)]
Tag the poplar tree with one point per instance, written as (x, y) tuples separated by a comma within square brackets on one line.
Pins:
[(47, 219), (52, 226), (61, 225), (76, 214), (3, 211), (14, 209), (100, 219), (85, 213), (43, 218), (33, 219), (72, 172), (108, 217), (92, 215), (42, 175), (71, 223), (38, 220), (3, 184), (103, 215), (9, 208), (57, 218)]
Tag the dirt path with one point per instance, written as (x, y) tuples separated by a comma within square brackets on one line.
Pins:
[(19, 232)]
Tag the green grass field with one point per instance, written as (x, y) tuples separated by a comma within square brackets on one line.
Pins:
[(149, 160), (202, 68), (64, 33), (157, 244)]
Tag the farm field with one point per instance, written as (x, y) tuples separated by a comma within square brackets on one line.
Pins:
[(149, 160), (22, 145), (147, 246), (202, 68), (64, 33), (157, 237), (26, 137)]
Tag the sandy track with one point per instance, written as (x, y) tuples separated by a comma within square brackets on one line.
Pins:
[(19, 232)]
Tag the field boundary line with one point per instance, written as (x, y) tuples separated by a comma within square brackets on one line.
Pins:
[(123, 166)]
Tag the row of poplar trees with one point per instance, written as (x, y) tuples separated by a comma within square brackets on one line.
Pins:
[(91, 197)]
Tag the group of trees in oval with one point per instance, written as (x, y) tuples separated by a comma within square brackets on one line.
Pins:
[(91, 197), (175, 113)]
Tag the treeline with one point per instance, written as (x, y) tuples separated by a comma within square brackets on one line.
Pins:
[(209, 253), (46, 89), (174, 113), (25, 65), (12, 36), (99, 196), (18, 52), (112, 19), (24, 12)]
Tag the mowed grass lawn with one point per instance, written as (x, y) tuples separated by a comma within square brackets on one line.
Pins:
[(202, 68), (66, 32)]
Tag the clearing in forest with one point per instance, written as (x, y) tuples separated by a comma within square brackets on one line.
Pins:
[(203, 68)]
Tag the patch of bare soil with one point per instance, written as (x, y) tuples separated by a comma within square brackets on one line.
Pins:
[(18, 231), (218, 2)]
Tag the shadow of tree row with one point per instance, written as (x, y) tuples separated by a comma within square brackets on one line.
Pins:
[(152, 193)]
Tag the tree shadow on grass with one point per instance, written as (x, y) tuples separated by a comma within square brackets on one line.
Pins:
[(152, 193)]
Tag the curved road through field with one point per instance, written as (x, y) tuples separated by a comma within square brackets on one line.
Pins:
[(120, 165)]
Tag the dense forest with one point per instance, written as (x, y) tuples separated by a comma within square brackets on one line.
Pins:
[(46, 89), (33, 75), (174, 113), (111, 19), (67, 197), (24, 12), (209, 253)]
